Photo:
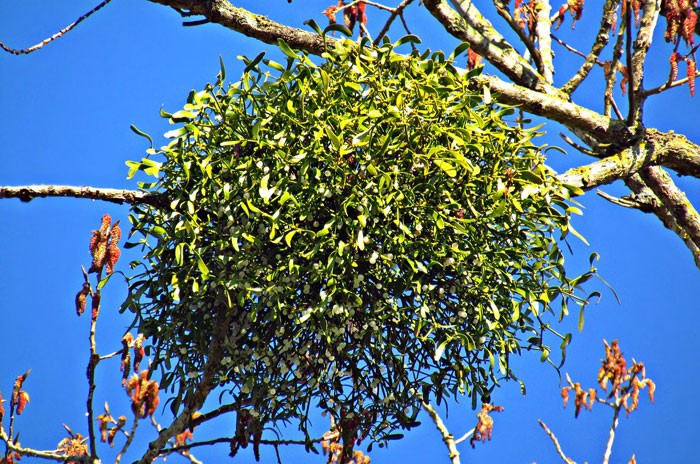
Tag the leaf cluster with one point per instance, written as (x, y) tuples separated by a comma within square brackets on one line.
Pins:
[(359, 235)]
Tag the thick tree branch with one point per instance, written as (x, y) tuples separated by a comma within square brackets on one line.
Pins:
[(607, 170), (444, 432), (468, 24), (544, 39), (676, 203), (650, 203), (602, 128), (196, 401), (29, 192), (247, 23), (671, 150), (647, 25)]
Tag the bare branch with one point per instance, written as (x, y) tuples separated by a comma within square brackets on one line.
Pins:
[(611, 434), (57, 35), (134, 197), (601, 40), (52, 455), (446, 435), (250, 24), (398, 11), (642, 191), (602, 128), (214, 441), (611, 68), (676, 203), (196, 401), (671, 150), (668, 85), (469, 25), (554, 439), (129, 440), (502, 9), (642, 43), (544, 39), (633, 201)]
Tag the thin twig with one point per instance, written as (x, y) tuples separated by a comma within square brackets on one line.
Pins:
[(57, 35), (398, 11), (214, 441), (611, 435), (668, 85), (52, 455), (111, 355), (465, 436), (599, 44), (502, 9), (554, 439), (129, 439)]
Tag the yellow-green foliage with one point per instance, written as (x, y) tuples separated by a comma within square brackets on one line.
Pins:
[(368, 230)]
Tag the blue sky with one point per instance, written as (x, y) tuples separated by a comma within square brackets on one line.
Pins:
[(65, 120)]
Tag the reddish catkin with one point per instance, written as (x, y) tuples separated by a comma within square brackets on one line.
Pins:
[(690, 19), (113, 253), (98, 244), (473, 59), (22, 400), (139, 351), (675, 57), (691, 71), (81, 299)]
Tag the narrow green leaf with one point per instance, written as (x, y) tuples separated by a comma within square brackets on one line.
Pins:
[(252, 63), (141, 133), (343, 29), (286, 49), (410, 38)]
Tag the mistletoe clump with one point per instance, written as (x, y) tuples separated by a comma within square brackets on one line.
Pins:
[(357, 235)]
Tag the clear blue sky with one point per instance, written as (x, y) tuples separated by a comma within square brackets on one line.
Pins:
[(65, 119)]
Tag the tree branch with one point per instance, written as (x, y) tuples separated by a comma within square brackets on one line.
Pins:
[(469, 25), (671, 150), (644, 195), (601, 40), (554, 439), (57, 35), (611, 434), (49, 455), (544, 39), (398, 11), (502, 9), (207, 384), (446, 435), (29, 192), (677, 204), (250, 24), (642, 43), (602, 128)]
